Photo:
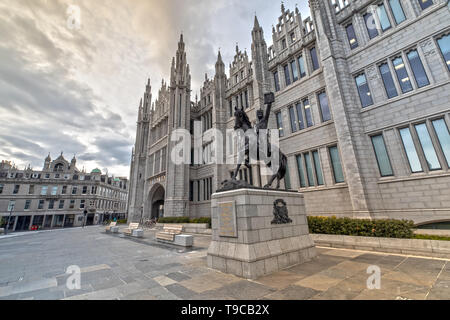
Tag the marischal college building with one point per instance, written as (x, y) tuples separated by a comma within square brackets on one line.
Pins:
[(362, 105)]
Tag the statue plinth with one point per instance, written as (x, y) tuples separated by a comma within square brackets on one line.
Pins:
[(257, 232)]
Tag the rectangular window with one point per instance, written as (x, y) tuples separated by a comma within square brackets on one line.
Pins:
[(301, 173), (277, 81), (191, 190), (382, 156), (301, 64), (61, 204), (324, 107), (84, 189), (82, 204), (351, 36), (27, 205), (16, 189), (246, 99), (417, 68), (1, 188), (444, 46), (410, 150), (287, 178), (363, 90), (280, 124), (308, 113), (427, 147), (31, 189), (301, 123), (44, 190), (314, 59), (389, 85), (336, 164), (292, 118), (51, 204), (318, 168), (383, 17), (440, 127), (230, 107), (12, 205), (54, 190), (309, 170), (397, 11), (74, 190), (41, 204), (294, 71), (425, 3), (402, 74), (287, 76), (370, 25), (64, 190), (72, 204)]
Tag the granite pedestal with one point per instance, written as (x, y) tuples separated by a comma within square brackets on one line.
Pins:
[(245, 240)]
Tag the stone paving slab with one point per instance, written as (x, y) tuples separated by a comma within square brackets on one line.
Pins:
[(33, 267)]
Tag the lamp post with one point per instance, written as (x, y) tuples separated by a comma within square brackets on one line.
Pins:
[(11, 208), (142, 214)]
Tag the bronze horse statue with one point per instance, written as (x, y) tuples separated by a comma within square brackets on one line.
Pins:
[(242, 122)]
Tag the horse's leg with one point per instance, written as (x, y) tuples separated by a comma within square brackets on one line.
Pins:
[(236, 172), (278, 182), (269, 184)]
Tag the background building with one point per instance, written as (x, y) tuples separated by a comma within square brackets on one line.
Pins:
[(362, 91), (59, 195)]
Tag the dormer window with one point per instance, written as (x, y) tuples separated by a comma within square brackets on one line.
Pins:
[(293, 37)]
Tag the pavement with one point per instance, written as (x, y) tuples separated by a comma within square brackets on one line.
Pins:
[(113, 267)]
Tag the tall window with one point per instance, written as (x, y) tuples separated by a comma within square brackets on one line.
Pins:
[(383, 17), (363, 90), (402, 74), (72, 204), (444, 46), (425, 3), (397, 11), (443, 135), (314, 59), (27, 205), (44, 190), (287, 178), (351, 36), (301, 123), (246, 99), (287, 76), (280, 124), (41, 204), (309, 170), (324, 107), (294, 71), (301, 173), (417, 68), (191, 190), (336, 164), (16, 189), (427, 147), (389, 85), (370, 25), (410, 150), (31, 189), (55, 190), (51, 204), (301, 64), (382, 156), (1, 188), (61, 204), (12, 205), (308, 113), (230, 107), (277, 81), (292, 118), (317, 168)]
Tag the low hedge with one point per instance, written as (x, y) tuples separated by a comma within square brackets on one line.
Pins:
[(362, 227), (185, 220)]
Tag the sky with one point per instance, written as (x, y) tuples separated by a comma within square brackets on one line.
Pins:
[(74, 85)]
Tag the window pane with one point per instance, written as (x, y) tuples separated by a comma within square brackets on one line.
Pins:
[(292, 118), (308, 113), (371, 25), (384, 19), (425, 3), (294, 71), (301, 123), (417, 68), (301, 64), (351, 36), (287, 76), (324, 108), (402, 74), (309, 170), (427, 147), (336, 163), (301, 173), (410, 150), (318, 168), (389, 85), (287, 178), (315, 61), (277, 81), (397, 10), (363, 89), (444, 137), (280, 124), (444, 46), (382, 156)]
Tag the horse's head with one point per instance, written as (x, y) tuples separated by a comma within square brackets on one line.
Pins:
[(241, 120)]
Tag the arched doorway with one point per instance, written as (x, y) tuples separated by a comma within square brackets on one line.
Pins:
[(156, 201)]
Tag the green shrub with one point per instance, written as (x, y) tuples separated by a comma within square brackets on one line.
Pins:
[(185, 220), (431, 237), (361, 227)]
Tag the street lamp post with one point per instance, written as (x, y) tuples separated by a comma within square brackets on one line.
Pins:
[(11, 208)]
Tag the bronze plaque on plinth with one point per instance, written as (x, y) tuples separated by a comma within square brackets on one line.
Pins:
[(227, 219)]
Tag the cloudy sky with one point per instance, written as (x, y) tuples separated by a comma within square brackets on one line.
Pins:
[(77, 90)]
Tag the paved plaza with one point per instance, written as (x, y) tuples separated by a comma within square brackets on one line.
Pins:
[(33, 266)]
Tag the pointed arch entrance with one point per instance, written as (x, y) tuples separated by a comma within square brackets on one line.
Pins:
[(156, 201)]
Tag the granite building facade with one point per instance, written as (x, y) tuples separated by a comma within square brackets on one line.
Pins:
[(362, 104)]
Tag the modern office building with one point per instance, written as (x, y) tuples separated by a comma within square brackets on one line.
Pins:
[(362, 104)]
